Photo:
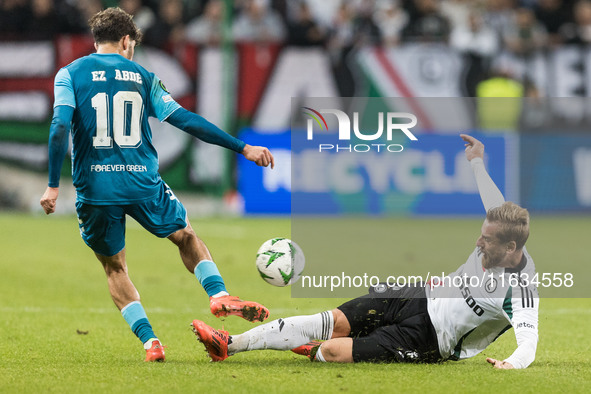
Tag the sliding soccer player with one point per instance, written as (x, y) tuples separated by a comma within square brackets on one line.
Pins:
[(450, 319)]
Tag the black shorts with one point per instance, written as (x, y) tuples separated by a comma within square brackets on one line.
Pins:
[(392, 326)]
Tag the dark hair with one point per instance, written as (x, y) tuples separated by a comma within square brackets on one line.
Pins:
[(112, 24)]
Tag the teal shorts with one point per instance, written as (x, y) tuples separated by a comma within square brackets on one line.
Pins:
[(103, 226)]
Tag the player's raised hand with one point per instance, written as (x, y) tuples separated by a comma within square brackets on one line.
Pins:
[(474, 148), (498, 364), (259, 154), (48, 200)]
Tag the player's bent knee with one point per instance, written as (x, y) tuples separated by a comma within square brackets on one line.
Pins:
[(115, 269), (113, 264), (337, 350), (183, 238), (341, 327)]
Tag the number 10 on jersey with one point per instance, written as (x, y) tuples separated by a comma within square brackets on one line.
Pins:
[(125, 135)]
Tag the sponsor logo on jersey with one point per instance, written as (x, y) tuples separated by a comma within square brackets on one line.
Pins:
[(408, 355), (163, 87), (491, 285), (118, 168), (525, 325)]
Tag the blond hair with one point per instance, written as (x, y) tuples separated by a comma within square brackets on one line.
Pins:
[(514, 223)]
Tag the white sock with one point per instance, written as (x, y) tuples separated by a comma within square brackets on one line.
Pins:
[(319, 356), (220, 294), (148, 343), (284, 334)]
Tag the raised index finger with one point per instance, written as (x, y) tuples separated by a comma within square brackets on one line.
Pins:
[(468, 138)]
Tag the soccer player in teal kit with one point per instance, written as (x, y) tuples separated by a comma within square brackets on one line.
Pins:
[(106, 99)]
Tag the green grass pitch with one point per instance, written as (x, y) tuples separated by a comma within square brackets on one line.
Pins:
[(60, 332)]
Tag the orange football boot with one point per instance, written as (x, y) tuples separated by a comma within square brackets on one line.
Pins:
[(155, 352), (215, 341), (306, 350), (229, 305)]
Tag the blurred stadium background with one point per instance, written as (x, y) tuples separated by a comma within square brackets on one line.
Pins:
[(239, 63)]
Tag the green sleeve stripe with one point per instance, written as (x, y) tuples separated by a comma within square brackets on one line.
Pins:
[(507, 305)]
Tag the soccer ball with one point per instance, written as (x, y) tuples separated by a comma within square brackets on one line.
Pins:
[(280, 262)]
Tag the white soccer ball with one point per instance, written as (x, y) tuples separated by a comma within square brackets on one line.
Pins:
[(280, 262)]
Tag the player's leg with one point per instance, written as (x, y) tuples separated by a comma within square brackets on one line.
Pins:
[(354, 318), (393, 329), (166, 217), (191, 248), (198, 260), (103, 230), (296, 333), (122, 290), (391, 343), (127, 299), (285, 334), (412, 340), (341, 328), (336, 350), (281, 334)]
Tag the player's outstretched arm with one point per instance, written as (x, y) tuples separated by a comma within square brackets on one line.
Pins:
[(525, 326), (58, 146), (206, 131), (489, 192)]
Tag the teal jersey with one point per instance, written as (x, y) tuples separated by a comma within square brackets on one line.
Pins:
[(113, 159)]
